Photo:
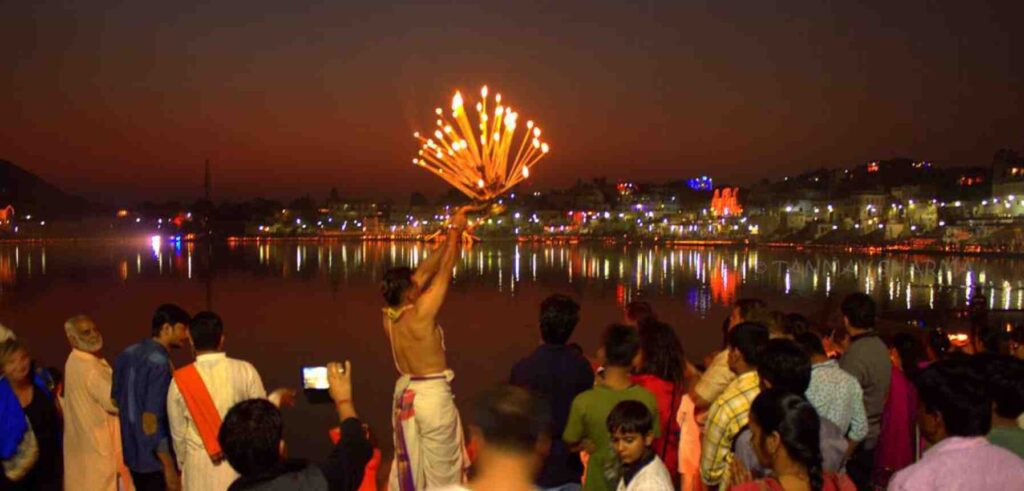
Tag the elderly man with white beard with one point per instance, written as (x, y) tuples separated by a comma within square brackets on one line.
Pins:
[(92, 434)]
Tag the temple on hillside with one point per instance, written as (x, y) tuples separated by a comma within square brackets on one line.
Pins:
[(725, 202), (6, 216)]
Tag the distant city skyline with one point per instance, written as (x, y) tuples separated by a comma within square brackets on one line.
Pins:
[(129, 100)]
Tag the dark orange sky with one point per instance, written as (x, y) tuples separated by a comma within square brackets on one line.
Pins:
[(124, 100)]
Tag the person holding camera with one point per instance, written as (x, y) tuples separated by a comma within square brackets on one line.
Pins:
[(252, 441)]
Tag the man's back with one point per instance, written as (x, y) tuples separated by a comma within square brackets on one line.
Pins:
[(963, 463), (142, 373), (557, 374), (417, 343), (838, 397), (726, 417), (299, 477), (229, 382), (868, 361)]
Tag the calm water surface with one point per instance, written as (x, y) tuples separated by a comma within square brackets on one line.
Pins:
[(286, 304)]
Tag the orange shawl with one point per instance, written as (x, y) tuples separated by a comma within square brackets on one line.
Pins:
[(201, 408)]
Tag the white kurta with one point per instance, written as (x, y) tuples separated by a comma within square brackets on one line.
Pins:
[(229, 381), (92, 434), (653, 477)]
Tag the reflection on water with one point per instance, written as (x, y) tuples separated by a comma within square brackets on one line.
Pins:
[(288, 304), (701, 277)]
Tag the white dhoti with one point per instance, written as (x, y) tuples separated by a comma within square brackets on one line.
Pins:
[(430, 448)]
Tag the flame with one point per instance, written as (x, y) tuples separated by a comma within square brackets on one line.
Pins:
[(485, 159)]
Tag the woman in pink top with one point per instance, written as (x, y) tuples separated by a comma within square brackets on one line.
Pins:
[(784, 430), (661, 371), (896, 441)]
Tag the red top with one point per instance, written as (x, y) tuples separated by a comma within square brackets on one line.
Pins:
[(667, 445)]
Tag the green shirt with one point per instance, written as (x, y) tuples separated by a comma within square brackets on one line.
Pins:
[(1011, 439), (587, 420)]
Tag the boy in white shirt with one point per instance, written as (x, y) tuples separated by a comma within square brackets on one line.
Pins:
[(631, 426)]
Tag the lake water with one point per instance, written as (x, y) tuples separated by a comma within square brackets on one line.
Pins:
[(286, 304)]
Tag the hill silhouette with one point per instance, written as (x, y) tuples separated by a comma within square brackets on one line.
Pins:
[(29, 193)]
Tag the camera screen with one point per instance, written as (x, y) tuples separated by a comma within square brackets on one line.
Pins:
[(314, 378)]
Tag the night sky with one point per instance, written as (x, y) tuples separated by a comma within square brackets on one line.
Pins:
[(124, 100)]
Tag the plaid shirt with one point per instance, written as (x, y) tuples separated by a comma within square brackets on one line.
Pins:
[(727, 416)]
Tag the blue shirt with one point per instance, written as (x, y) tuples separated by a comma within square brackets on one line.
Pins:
[(557, 374), (142, 375)]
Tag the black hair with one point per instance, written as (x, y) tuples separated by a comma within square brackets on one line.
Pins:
[(798, 426), (559, 315), (749, 338), (663, 353), (621, 344), (640, 312), (511, 419), (396, 282), (168, 313), (859, 309), (794, 324), (55, 374), (811, 343), (251, 436), (938, 341), (785, 365), (839, 334), (630, 417), (955, 389), (206, 330), (752, 309), (992, 339), (911, 353), (1005, 383), (726, 323)]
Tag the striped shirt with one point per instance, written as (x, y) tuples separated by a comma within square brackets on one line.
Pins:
[(727, 416)]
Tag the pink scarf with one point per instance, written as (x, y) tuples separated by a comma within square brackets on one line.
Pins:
[(896, 441)]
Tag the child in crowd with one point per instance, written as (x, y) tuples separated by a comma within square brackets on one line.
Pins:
[(587, 428), (630, 425)]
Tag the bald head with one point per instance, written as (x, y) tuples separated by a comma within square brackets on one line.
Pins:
[(83, 334)]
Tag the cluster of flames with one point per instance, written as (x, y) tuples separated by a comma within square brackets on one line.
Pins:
[(483, 160)]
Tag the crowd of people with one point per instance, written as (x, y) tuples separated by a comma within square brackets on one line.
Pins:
[(784, 405)]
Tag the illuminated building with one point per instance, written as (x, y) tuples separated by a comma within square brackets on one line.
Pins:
[(725, 202), (967, 181), (702, 183), (1007, 174), (6, 215)]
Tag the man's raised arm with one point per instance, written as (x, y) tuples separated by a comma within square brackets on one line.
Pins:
[(430, 301), (428, 267)]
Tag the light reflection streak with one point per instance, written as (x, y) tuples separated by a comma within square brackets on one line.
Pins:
[(721, 276)]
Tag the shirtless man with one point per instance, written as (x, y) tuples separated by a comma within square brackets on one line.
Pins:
[(429, 443)]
